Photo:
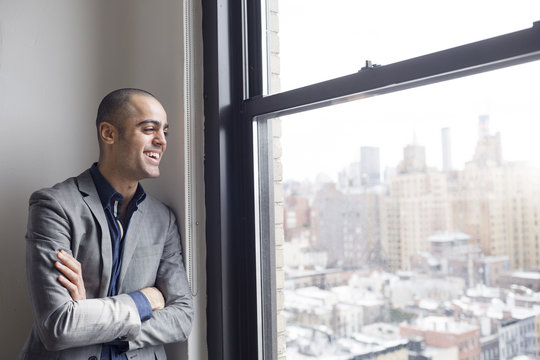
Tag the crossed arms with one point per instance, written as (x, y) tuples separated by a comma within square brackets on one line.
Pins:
[(66, 316), (72, 279)]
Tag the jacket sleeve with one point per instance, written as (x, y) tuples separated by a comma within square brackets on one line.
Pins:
[(61, 322), (173, 322)]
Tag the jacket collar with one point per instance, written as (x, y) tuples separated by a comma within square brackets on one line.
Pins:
[(91, 198)]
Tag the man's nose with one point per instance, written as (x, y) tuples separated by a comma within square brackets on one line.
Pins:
[(160, 138)]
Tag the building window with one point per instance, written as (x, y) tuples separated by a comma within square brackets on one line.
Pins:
[(321, 161), (418, 196)]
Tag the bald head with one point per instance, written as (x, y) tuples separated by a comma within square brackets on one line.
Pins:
[(117, 106)]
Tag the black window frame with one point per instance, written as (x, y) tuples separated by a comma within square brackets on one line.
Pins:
[(234, 103)]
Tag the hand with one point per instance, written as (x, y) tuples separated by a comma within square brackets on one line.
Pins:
[(155, 297), (72, 278)]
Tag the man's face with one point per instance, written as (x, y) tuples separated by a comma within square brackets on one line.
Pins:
[(142, 141)]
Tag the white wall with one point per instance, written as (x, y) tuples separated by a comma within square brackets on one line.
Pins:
[(57, 60)]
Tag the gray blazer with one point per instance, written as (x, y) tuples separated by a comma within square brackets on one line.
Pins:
[(70, 216)]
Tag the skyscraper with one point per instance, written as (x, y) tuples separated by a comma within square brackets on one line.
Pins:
[(446, 149), (414, 160), (497, 202), (365, 173), (488, 148), (370, 167), (416, 207)]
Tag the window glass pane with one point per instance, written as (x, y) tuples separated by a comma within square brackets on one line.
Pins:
[(315, 40), (403, 218)]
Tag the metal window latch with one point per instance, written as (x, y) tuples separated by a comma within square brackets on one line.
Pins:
[(369, 66)]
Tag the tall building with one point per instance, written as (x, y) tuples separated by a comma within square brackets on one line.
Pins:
[(416, 206), (365, 173), (446, 149), (414, 160), (351, 176), (348, 226), (488, 147), (370, 166), (497, 202), (500, 206)]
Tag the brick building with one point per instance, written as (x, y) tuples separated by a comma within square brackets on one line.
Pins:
[(444, 332)]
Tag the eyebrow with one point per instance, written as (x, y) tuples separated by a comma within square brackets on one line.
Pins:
[(155, 122)]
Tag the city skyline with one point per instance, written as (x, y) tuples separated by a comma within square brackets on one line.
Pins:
[(320, 50), (331, 138), (356, 219)]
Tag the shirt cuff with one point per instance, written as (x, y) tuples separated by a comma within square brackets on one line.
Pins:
[(143, 305)]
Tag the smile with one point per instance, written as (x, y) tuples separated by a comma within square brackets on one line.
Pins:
[(152, 155)]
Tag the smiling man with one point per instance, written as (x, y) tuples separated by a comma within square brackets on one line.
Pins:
[(104, 263)]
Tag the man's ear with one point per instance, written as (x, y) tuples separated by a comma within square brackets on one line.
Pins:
[(108, 133)]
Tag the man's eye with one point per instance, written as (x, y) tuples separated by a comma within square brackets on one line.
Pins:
[(149, 129), (166, 133)]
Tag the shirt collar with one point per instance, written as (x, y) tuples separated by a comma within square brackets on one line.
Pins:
[(108, 195)]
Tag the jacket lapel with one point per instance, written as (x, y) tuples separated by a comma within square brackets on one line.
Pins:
[(91, 198), (131, 239)]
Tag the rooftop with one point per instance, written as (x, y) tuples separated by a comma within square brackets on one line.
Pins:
[(443, 324), (532, 275)]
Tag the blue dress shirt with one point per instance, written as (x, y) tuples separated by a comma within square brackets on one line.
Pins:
[(112, 203)]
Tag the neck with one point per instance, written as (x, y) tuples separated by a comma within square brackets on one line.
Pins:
[(124, 186)]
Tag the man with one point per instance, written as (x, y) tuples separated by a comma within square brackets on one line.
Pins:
[(104, 264)]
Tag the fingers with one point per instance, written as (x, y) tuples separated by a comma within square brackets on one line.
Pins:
[(70, 274), (71, 277), (69, 286), (69, 261), (75, 291)]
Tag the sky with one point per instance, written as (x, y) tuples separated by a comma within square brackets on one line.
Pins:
[(318, 42)]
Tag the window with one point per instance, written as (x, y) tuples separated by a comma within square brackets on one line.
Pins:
[(243, 170), (320, 164), (336, 40)]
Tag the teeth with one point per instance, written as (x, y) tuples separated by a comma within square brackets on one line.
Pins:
[(152, 155)]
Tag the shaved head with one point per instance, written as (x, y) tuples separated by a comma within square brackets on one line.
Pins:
[(116, 107)]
